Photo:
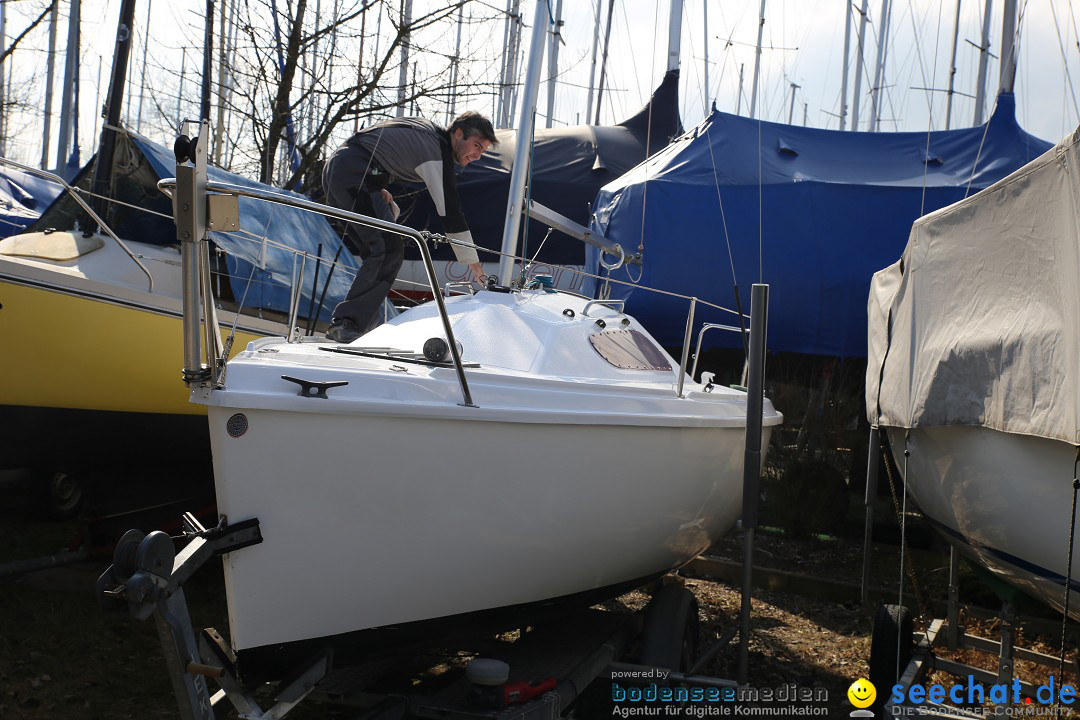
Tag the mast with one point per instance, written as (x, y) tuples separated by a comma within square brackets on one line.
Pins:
[(757, 60), (603, 60), (69, 107), (113, 104), (512, 68), (845, 64), (47, 117), (3, 87), (984, 52), (403, 72), (859, 69), (952, 68), (738, 98), (142, 78), (1007, 73), (705, 30), (450, 115), (526, 117), (223, 52), (592, 66), (675, 34), (879, 65), (791, 108), (553, 61), (180, 89)]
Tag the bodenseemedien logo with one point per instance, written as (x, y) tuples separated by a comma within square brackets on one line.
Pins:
[(862, 694)]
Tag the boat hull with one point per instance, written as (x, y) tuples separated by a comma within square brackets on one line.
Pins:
[(376, 521), (1004, 500)]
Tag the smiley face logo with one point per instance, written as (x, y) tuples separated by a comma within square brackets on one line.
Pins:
[(862, 693)]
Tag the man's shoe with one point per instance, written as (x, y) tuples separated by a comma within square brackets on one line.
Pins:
[(343, 331)]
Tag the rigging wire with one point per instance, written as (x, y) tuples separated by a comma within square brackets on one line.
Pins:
[(648, 139), (1064, 59), (930, 118)]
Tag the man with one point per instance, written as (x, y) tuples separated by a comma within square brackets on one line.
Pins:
[(355, 178)]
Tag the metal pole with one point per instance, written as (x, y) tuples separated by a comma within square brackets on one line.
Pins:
[(403, 71), (844, 64), (738, 100), (360, 65), (113, 103), (450, 115), (879, 64), (757, 61), (705, 31), (592, 66), (859, 68), (505, 69), (984, 57), (603, 61), (952, 67), (97, 96), (68, 107), (515, 48), (180, 89), (872, 462), (759, 313), (791, 108), (3, 86), (524, 143), (686, 346), (674, 35), (223, 58), (142, 77), (553, 61), (51, 68), (190, 209), (1007, 73)]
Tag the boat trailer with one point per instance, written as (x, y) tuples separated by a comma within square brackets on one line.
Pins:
[(900, 656), (561, 660)]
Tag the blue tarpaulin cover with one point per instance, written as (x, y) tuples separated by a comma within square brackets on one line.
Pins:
[(266, 229), (22, 198), (831, 208)]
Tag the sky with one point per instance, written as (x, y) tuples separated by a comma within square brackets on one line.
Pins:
[(802, 46)]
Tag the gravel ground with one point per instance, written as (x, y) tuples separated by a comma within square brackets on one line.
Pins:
[(61, 657)]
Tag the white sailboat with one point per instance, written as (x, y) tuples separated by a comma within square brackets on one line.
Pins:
[(974, 371), (603, 465)]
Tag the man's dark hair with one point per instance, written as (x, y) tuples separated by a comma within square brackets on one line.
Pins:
[(473, 123)]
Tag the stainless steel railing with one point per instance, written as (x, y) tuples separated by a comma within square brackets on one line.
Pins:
[(169, 184), (74, 192)]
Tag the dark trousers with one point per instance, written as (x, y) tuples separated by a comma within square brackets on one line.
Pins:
[(349, 188)]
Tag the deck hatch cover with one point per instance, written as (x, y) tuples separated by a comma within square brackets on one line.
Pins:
[(629, 350)]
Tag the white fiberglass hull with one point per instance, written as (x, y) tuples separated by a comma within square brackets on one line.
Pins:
[(1004, 500), (375, 521), (390, 503)]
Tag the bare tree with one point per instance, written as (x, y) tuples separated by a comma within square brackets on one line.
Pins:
[(293, 68)]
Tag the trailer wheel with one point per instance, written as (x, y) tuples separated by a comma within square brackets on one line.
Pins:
[(59, 494), (669, 638), (892, 638)]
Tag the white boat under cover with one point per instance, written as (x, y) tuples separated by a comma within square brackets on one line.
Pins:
[(974, 368), (389, 502)]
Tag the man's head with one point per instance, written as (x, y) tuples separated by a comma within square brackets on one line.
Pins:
[(471, 135)]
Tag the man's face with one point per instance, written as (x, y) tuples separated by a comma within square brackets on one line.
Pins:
[(467, 149)]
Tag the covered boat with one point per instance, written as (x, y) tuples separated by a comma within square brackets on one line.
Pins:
[(569, 166), (974, 369), (812, 212), (92, 312)]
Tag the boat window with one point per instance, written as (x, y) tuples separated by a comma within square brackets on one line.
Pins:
[(629, 350)]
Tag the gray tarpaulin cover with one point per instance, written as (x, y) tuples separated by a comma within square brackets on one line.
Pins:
[(978, 323)]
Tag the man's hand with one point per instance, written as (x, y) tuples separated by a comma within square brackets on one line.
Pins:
[(387, 197), (478, 273)]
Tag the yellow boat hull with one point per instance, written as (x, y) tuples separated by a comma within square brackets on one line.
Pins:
[(69, 351)]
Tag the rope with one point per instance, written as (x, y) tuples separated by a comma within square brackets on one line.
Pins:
[(1068, 566), (900, 514)]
